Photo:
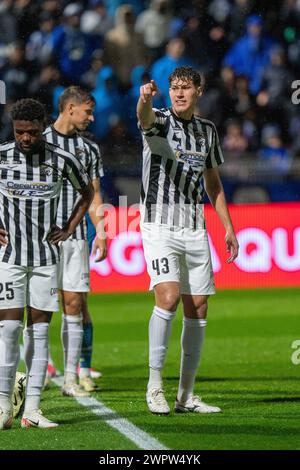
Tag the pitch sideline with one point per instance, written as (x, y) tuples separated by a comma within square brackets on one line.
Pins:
[(139, 437)]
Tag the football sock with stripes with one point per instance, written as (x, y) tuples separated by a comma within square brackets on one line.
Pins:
[(71, 334), (36, 353), (9, 359), (192, 339), (160, 327)]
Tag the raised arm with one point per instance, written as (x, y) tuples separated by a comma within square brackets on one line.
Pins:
[(145, 113), (215, 192)]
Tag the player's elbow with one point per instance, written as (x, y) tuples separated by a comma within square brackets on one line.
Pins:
[(88, 194)]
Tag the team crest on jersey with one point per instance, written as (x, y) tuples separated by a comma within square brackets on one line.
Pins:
[(79, 152), (200, 138), (46, 170)]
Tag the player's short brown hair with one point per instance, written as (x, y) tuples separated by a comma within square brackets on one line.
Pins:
[(186, 74), (74, 93)]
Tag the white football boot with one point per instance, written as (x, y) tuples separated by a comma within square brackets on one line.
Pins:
[(156, 401), (18, 395), (72, 389), (88, 384), (35, 419), (195, 405)]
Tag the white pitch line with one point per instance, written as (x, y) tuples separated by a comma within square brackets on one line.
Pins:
[(140, 438)]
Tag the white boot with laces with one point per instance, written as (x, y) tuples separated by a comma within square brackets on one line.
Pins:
[(35, 419), (194, 404), (156, 401)]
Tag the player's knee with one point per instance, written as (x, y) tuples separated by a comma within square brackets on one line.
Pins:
[(169, 301), (73, 304), (202, 309), (196, 310)]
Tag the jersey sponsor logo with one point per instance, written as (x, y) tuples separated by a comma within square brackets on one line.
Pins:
[(195, 159), (28, 189), (12, 165)]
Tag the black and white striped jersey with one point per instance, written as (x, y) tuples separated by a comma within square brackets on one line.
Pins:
[(88, 153), (30, 187), (176, 152)]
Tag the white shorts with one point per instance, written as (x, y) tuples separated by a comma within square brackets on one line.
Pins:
[(33, 286), (74, 267), (180, 255)]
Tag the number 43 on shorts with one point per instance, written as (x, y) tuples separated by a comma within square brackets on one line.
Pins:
[(161, 266)]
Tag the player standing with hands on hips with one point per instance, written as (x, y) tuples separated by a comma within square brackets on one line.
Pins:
[(31, 176), (181, 151)]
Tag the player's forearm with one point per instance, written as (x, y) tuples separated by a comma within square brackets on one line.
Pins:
[(145, 113), (96, 213), (221, 208), (80, 208), (215, 192)]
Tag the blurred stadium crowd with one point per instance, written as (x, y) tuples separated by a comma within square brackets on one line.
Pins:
[(247, 51)]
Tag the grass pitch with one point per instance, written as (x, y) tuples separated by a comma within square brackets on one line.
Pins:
[(246, 369)]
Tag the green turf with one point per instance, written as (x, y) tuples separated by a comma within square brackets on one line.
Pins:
[(246, 369)]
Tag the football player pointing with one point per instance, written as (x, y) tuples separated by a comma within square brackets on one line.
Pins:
[(181, 152)]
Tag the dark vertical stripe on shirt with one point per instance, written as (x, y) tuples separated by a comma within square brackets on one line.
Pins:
[(41, 231), (187, 136), (28, 212), (151, 198), (177, 177), (8, 248), (53, 248), (29, 169), (3, 173), (64, 196), (54, 164), (18, 234), (142, 193), (187, 183), (208, 162), (196, 136), (16, 159), (167, 183), (78, 228), (217, 152)]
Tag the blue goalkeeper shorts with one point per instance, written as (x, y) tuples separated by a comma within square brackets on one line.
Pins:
[(91, 232)]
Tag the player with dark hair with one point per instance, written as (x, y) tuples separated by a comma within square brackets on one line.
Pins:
[(31, 176), (76, 113), (28, 110), (180, 151)]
